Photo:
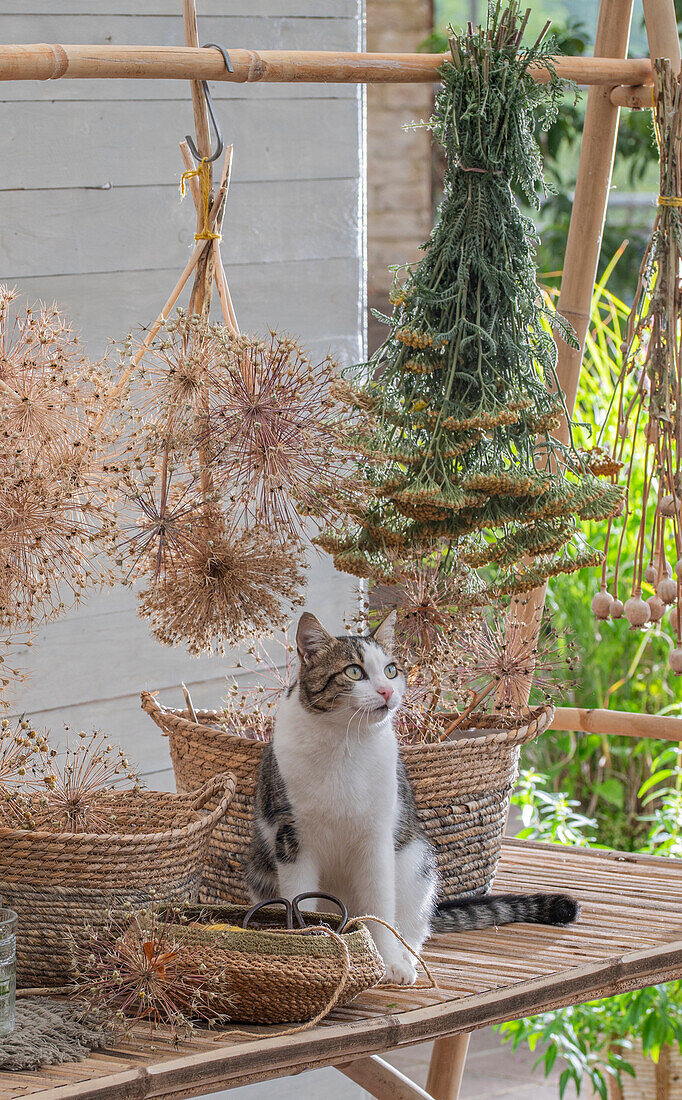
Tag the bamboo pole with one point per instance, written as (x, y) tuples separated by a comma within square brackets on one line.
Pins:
[(44, 61), (586, 227), (616, 723), (660, 20)]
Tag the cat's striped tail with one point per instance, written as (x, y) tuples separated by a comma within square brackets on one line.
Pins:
[(469, 914)]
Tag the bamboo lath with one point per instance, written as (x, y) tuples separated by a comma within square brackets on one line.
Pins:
[(44, 61), (483, 978)]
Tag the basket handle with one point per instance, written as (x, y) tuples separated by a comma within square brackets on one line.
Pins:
[(224, 782)]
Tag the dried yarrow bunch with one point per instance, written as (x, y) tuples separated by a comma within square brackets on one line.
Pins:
[(133, 971), (453, 418), (56, 489), (226, 585)]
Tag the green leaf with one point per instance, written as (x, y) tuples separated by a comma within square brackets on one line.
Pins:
[(612, 791)]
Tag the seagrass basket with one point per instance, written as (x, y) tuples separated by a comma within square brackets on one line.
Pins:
[(56, 881), (462, 789), (272, 975)]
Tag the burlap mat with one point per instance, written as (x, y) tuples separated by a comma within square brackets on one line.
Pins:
[(48, 1032)]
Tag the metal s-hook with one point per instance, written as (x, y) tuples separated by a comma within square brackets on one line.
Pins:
[(209, 106)]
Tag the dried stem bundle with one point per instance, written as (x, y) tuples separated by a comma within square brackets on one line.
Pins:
[(646, 412)]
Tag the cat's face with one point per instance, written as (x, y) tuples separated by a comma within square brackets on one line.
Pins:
[(349, 676)]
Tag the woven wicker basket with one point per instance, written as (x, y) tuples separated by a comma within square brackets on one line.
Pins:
[(274, 976), (462, 788), (56, 881)]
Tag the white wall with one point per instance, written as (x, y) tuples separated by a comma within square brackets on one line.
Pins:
[(90, 215)]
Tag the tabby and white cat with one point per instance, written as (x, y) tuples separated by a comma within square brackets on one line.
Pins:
[(335, 810)]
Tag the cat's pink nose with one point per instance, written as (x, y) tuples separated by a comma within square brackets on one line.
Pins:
[(386, 692)]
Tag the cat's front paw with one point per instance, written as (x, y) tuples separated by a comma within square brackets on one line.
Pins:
[(400, 972)]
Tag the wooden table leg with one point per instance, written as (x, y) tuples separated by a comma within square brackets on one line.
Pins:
[(447, 1066)]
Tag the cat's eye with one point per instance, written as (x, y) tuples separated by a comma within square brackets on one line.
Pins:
[(354, 672), (391, 671)]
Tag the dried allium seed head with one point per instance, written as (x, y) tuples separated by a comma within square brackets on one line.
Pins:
[(229, 585)]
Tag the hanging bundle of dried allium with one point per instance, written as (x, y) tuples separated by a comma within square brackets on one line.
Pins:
[(646, 413), (226, 584), (133, 971), (55, 485)]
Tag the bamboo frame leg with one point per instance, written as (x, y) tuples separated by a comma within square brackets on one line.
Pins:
[(382, 1080), (447, 1066), (661, 30)]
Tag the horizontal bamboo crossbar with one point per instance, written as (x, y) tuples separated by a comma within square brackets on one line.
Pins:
[(44, 61), (617, 723)]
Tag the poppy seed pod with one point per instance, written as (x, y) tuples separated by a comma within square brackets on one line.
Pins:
[(667, 590), (676, 661), (636, 612), (617, 609), (651, 573), (656, 608), (668, 505), (601, 604)]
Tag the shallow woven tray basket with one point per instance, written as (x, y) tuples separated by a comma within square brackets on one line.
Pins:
[(272, 976), (462, 788), (56, 881)]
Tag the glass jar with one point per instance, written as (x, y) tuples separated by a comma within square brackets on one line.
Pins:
[(8, 970)]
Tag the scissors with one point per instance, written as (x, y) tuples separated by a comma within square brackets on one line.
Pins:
[(292, 913)]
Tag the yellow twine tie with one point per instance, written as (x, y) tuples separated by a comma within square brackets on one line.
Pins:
[(669, 200), (204, 173)]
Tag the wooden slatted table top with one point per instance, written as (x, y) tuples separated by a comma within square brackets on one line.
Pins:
[(629, 935)]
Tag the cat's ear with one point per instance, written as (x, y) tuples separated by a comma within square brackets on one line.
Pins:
[(310, 636), (385, 633)]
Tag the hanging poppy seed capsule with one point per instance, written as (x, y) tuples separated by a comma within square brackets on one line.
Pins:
[(656, 608), (678, 569), (617, 609), (667, 569), (651, 573), (668, 505), (672, 617), (667, 590), (676, 661), (636, 612), (601, 604)]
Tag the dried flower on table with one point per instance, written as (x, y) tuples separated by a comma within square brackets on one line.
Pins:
[(133, 971), (227, 586)]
